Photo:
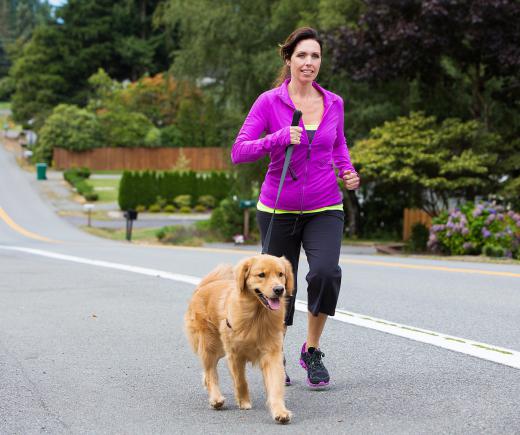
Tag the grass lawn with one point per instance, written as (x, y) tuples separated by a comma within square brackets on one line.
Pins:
[(107, 189), (4, 105), (138, 234)]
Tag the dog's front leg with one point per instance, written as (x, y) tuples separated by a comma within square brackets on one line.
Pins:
[(237, 367), (274, 380)]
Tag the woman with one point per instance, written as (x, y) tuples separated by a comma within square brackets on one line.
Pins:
[(309, 211)]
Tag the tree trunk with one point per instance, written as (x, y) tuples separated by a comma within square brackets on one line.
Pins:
[(353, 213)]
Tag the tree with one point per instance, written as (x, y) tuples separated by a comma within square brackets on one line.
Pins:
[(471, 44), (429, 162)]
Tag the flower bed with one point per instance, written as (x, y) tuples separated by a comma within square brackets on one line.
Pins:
[(485, 227)]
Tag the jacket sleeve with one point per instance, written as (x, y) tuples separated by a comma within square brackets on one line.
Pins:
[(340, 152), (248, 146)]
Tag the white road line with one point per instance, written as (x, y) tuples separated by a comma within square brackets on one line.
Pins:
[(484, 351)]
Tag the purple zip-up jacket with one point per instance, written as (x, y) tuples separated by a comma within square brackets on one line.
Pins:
[(312, 165)]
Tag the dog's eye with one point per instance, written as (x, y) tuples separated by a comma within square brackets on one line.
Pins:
[(261, 275), (280, 274)]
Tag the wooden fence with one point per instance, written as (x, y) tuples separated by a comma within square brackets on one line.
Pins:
[(413, 216), (113, 159)]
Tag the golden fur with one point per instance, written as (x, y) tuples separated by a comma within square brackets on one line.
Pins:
[(255, 331)]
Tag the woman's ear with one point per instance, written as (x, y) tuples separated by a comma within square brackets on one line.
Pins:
[(289, 276), (242, 272)]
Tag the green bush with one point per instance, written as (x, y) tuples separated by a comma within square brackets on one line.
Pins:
[(122, 128), (477, 228), (228, 220), (77, 178), (170, 209), (207, 201), (185, 209), (171, 136), (199, 208), (182, 201), (145, 187), (419, 238), (154, 208), (68, 127)]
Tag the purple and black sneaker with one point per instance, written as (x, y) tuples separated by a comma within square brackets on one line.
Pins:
[(317, 374)]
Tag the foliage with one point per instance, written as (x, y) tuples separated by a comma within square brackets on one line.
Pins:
[(144, 188), (207, 201), (463, 43), (68, 127), (477, 227), (77, 178), (419, 238), (122, 128), (86, 35), (182, 201), (228, 219), (430, 162)]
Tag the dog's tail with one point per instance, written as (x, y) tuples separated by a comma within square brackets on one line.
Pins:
[(223, 272)]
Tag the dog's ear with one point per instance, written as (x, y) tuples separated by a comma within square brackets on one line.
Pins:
[(289, 276), (242, 272)]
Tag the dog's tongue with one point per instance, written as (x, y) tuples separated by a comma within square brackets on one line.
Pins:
[(274, 304)]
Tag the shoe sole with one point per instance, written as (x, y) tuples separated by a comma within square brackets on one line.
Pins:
[(309, 383)]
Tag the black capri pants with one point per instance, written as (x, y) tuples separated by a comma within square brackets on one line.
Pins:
[(320, 234)]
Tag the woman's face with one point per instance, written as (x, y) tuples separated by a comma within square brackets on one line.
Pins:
[(305, 61)]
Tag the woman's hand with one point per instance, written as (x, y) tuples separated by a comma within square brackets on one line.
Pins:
[(351, 180), (296, 135)]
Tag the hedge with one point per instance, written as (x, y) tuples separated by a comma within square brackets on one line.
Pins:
[(145, 187)]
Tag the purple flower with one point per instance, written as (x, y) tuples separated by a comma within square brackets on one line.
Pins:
[(477, 212), (465, 231), (467, 246), (486, 233)]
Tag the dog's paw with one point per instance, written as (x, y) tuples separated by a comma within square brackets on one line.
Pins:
[(244, 404), (283, 417), (217, 402)]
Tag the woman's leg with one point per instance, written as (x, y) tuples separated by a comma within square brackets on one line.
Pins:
[(321, 238)]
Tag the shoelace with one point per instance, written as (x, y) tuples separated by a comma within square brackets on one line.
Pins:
[(315, 360)]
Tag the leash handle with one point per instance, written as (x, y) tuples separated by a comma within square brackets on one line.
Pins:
[(297, 115)]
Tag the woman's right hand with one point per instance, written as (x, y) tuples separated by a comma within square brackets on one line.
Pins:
[(296, 135)]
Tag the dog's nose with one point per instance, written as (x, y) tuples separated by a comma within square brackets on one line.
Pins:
[(278, 290)]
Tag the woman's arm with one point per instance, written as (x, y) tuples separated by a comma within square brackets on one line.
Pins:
[(248, 147), (340, 152)]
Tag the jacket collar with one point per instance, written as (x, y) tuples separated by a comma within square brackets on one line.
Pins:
[(283, 93)]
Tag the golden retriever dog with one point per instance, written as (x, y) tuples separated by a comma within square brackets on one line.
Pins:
[(239, 313)]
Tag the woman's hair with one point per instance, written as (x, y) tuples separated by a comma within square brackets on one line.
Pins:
[(287, 50)]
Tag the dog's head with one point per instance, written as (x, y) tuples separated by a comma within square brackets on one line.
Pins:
[(267, 277)]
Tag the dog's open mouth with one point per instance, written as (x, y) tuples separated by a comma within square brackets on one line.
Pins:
[(271, 303)]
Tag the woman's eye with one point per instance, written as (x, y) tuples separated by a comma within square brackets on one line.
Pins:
[(261, 275)]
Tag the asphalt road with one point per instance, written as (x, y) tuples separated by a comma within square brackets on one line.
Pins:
[(92, 347)]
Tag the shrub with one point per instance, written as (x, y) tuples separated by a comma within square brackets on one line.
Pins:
[(77, 178), (140, 208), (171, 136), (122, 128), (228, 219), (68, 127), (170, 209), (419, 238), (185, 209), (199, 208), (154, 208), (182, 201), (208, 201), (472, 227)]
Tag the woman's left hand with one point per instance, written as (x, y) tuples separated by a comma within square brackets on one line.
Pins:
[(351, 180)]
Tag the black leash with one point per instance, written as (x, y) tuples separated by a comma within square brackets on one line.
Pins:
[(288, 153)]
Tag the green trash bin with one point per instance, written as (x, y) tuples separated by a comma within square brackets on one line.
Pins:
[(41, 171)]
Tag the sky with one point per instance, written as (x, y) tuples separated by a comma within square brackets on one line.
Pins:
[(57, 2)]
